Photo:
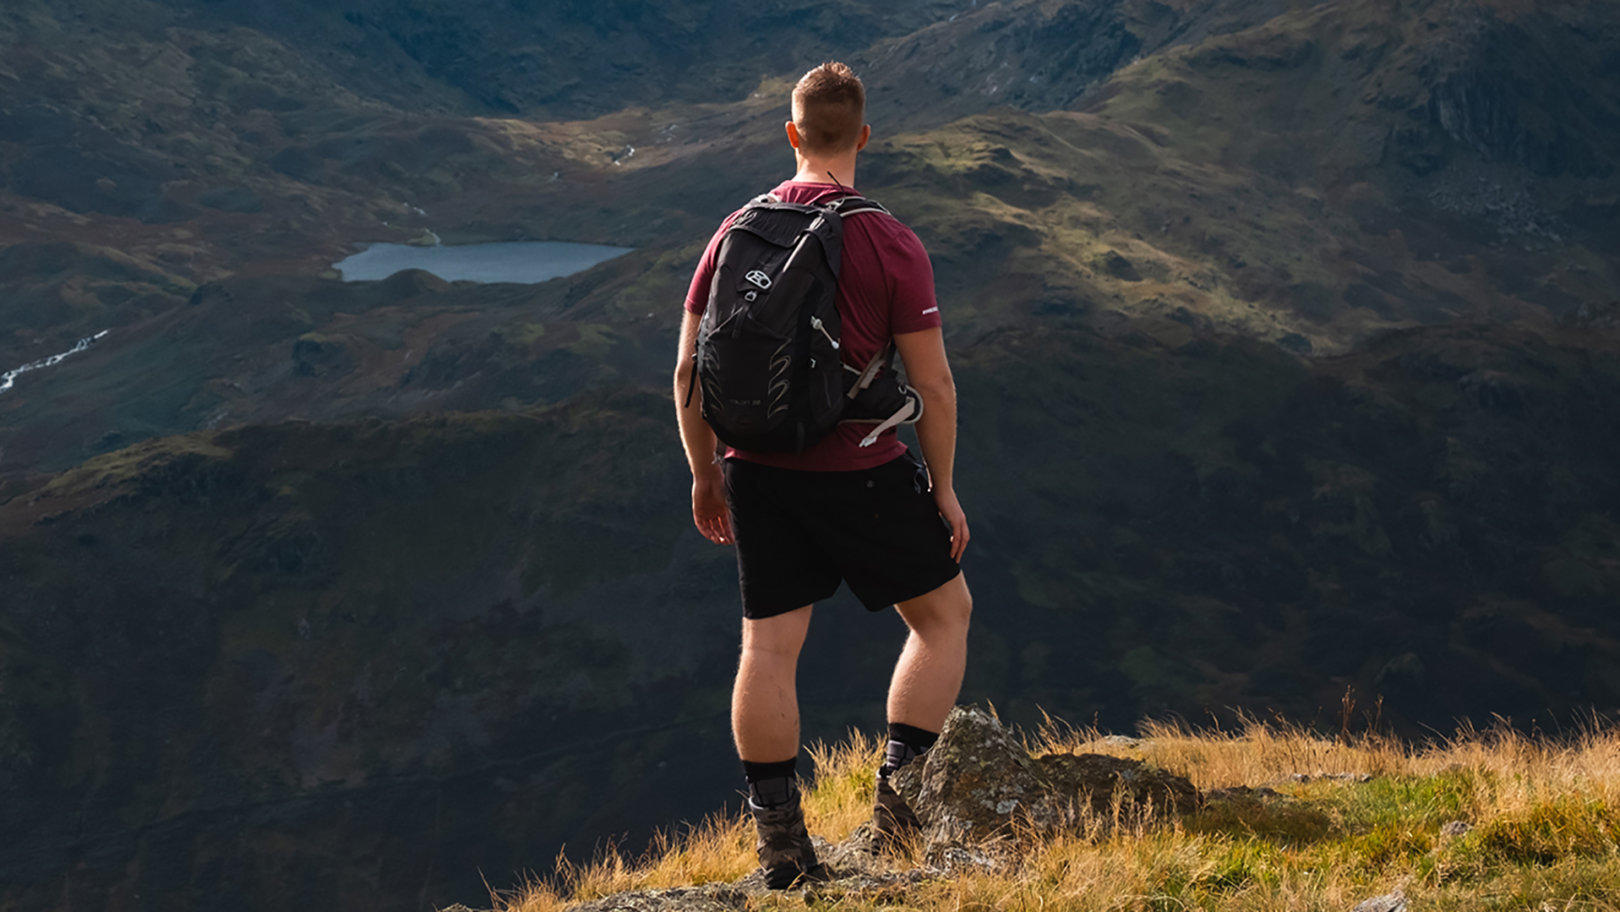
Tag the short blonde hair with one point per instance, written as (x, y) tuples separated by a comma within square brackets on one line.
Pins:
[(829, 109)]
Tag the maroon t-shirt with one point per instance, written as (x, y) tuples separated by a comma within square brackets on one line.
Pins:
[(885, 288)]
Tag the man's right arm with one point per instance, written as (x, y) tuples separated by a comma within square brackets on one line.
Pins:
[(709, 511)]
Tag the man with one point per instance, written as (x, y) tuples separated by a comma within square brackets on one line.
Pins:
[(838, 511)]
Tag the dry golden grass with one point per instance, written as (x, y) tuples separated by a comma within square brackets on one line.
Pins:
[(718, 849), (841, 799), (1543, 817)]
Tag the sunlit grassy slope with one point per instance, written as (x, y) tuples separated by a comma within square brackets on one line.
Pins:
[(1345, 819)]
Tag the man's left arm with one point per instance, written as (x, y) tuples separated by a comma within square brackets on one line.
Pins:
[(929, 373), (914, 316)]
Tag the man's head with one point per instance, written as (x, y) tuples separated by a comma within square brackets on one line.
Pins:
[(829, 111)]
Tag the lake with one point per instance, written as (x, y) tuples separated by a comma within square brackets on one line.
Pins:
[(524, 262)]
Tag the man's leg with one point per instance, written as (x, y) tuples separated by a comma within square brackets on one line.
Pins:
[(765, 724), (928, 676), (926, 681), (764, 700)]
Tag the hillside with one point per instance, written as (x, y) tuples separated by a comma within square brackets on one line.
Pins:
[(1286, 335)]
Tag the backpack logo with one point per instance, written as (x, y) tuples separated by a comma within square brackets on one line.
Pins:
[(759, 278)]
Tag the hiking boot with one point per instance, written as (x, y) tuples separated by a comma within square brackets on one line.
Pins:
[(893, 820), (785, 853)]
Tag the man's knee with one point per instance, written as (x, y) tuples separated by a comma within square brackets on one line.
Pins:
[(945, 610), (778, 637)]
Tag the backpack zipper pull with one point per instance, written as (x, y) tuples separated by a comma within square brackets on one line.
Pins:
[(815, 323)]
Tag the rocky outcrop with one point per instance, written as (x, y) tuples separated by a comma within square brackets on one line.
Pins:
[(978, 785)]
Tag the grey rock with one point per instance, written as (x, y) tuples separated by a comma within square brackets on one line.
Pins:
[(860, 856), (711, 898), (955, 860), (971, 782), (870, 886), (978, 784), (852, 869), (857, 855), (1456, 828), (1389, 902)]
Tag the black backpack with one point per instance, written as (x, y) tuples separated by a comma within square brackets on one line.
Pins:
[(768, 344)]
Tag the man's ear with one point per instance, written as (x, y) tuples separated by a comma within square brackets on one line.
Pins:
[(866, 134), (793, 134)]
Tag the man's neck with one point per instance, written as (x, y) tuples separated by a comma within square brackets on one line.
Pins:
[(827, 171)]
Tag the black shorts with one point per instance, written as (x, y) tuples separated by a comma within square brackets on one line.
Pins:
[(800, 533)]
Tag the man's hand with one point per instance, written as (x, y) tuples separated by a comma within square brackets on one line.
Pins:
[(950, 510), (709, 511)]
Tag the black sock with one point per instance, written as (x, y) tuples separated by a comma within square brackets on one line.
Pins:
[(906, 743), (772, 784)]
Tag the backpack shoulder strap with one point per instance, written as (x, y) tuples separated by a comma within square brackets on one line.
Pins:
[(854, 205), (844, 205)]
